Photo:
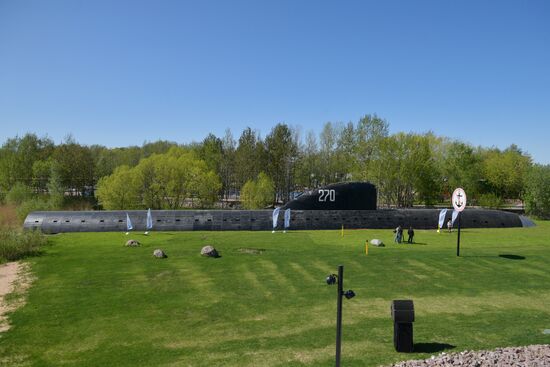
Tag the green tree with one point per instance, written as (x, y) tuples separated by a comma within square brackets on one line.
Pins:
[(370, 132), (309, 167), (461, 166), (346, 146), (76, 166), (161, 181), (258, 193), (211, 151), (249, 157), (282, 154), (119, 190), (427, 177), (105, 160), (537, 191), (41, 170), (404, 170), (129, 156), (149, 185), (208, 185), (506, 171), (327, 153), (17, 157), (182, 175), (55, 187), (8, 165), (156, 147), (227, 170)]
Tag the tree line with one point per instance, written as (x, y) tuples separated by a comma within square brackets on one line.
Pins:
[(254, 171)]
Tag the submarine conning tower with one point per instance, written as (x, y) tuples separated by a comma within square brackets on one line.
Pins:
[(339, 196)]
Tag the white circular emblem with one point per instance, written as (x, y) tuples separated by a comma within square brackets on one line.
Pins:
[(459, 199)]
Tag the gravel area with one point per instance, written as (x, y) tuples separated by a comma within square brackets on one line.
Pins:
[(529, 356)]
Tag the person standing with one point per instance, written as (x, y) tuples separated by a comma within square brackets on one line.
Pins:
[(410, 232), (450, 225), (398, 233)]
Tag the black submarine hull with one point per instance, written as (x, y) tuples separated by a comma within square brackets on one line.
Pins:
[(261, 220), (350, 204)]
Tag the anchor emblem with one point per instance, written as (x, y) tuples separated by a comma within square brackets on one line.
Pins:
[(459, 201)]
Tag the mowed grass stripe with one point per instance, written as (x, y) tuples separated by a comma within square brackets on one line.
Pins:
[(273, 275)]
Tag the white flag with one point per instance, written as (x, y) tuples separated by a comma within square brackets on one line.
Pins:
[(455, 214), (129, 225), (149, 219), (287, 218), (275, 217), (442, 215)]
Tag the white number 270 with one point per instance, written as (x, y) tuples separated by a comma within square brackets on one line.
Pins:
[(325, 195)]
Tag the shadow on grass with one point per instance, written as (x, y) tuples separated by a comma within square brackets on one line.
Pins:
[(431, 347), (406, 244), (512, 257), (505, 256)]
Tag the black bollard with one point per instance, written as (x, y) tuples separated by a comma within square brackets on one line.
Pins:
[(402, 312)]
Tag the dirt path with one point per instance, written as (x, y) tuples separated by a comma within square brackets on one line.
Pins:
[(14, 278)]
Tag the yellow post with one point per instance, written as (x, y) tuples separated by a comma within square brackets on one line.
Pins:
[(342, 234), (367, 247)]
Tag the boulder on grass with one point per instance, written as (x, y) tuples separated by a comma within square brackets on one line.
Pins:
[(132, 243), (159, 254), (209, 251), (377, 242)]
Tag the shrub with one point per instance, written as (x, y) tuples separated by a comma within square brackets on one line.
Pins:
[(537, 192), (8, 216), (75, 203), (15, 245), (18, 194), (30, 206), (490, 201)]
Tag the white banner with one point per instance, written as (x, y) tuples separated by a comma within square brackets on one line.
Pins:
[(455, 214), (287, 218), (129, 225), (442, 215), (149, 219), (275, 216)]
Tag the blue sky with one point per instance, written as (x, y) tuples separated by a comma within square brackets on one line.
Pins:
[(118, 73)]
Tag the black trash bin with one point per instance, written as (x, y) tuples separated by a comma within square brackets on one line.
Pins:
[(402, 313)]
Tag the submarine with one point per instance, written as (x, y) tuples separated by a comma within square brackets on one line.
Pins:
[(351, 204)]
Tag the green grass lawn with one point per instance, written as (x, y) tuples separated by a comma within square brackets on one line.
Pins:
[(97, 303)]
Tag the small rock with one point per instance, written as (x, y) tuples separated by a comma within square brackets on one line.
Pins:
[(377, 242), (132, 243), (209, 251), (158, 253)]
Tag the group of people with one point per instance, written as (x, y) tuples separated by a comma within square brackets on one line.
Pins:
[(399, 234)]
